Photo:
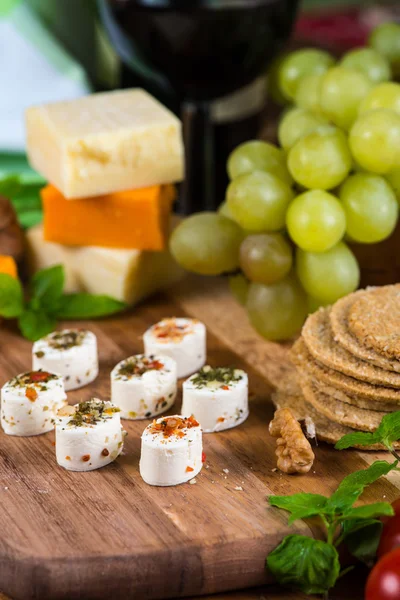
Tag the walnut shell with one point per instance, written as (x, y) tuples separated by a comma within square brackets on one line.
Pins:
[(11, 234)]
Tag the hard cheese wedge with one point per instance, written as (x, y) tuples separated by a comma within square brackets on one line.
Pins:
[(127, 275), (105, 143), (134, 219)]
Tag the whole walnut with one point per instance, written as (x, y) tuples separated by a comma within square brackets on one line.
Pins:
[(11, 234)]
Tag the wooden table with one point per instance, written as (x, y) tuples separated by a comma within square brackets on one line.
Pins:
[(170, 542)]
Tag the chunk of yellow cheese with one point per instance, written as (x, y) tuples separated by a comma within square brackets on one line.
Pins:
[(106, 142), (136, 219), (127, 275)]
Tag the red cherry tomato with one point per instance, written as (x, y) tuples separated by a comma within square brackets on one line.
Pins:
[(384, 580), (390, 538)]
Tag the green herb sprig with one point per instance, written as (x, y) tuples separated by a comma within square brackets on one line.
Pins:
[(46, 303), (313, 566)]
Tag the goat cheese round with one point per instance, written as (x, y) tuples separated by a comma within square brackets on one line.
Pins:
[(144, 386), (217, 398), (172, 451), (89, 435), (184, 340), (30, 401), (72, 353)]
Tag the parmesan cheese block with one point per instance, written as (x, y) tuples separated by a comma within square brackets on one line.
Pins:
[(30, 401), (217, 398), (88, 435), (172, 451), (127, 275), (134, 219), (144, 386), (106, 142), (72, 353), (184, 340)]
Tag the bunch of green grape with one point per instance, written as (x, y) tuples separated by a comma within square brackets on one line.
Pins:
[(283, 231)]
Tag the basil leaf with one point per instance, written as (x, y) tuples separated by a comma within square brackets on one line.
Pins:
[(46, 289), (309, 565), (362, 536), (11, 296), (301, 505), (387, 433), (88, 306), (370, 511), (34, 324), (352, 486)]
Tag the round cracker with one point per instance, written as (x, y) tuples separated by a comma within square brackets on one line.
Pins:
[(340, 412), (374, 318), (361, 393), (342, 334), (319, 340), (327, 431)]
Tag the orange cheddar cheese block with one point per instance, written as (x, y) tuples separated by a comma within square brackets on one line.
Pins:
[(133, 219), (8, 266)]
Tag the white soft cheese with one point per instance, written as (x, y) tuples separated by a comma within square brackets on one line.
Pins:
[(88, 435), (171, 456), (184, 340), (30, 401), (144, 386), (219, 403), (72, 353)]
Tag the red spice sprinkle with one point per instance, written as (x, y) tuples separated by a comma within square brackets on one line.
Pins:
[(203, 457), (173, 426), (31, 394), (189, 469), (67, 458), (86, 457), (171, 330), (36, 376), (220, 419), (53, 443), (224, 387), (105, 452)]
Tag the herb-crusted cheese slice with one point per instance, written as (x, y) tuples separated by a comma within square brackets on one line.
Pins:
[(144, 386), (30, 401), (88, 435), (172, 451), (184, 340), (218, 398), (72, 353)]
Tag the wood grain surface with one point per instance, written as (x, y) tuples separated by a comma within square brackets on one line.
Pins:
[(106, 534)]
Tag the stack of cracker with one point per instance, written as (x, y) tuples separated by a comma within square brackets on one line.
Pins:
[(348, 364)]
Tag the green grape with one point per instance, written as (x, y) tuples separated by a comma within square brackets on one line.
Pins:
[(385, 95), (386, 40), (316, 221), (300, 63), (223, 210), (258, 201), (370, 206), (277, 311), (295, 124), (394, 180), (341, 93), (314, 304), (308, 93), (207, 243), (370, 62), (258, 156), (239, 287), (375, 141), (329, 275), (321, 159), (265, 257)]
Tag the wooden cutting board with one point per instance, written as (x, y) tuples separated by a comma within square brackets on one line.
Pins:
[(106, 534)]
